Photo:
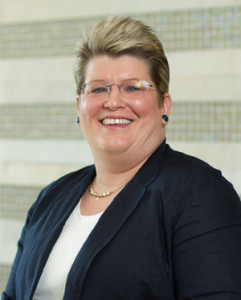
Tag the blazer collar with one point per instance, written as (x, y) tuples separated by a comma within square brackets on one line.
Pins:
[(112, 220)]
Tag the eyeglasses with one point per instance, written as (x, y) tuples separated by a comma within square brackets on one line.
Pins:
[(130, 89)]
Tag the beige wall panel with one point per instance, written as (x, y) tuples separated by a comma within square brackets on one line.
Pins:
[(40, 162), (35, 174), (37, 80), (207, 75), (29, 10), (8, 243), (205, 63)]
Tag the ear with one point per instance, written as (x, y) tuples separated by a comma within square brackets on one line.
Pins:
[(77, 102), (166, 106), (77, 107)]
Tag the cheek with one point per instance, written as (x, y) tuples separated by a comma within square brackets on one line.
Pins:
[(145, 107), (83, 113), (83, 104), (88, 112), (86, 108)]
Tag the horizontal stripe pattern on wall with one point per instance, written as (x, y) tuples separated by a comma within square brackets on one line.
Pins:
[(205, 121), (4, 273), (189, 121), (180, 30), (43, 121), (16, 200)]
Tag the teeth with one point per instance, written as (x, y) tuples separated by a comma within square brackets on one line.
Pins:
[(115, 121)]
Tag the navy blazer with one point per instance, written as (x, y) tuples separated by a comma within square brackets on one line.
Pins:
[(173, 232)]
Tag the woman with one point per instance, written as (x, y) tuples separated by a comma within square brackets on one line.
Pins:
[(145, 221)]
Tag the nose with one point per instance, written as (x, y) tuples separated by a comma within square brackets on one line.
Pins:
[(115, 99)]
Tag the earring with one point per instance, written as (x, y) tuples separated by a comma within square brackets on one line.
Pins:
[(165, 118), (77, 120)]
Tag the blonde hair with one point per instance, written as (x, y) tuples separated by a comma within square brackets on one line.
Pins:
[(117, 36)]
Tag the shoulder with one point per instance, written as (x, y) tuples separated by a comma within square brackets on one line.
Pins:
[(60, 189), (72, 178), (185, 179), (190, 171), (193, 183), (176, 161), (181, 170)]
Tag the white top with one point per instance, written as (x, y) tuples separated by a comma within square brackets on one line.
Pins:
[(77, 228)]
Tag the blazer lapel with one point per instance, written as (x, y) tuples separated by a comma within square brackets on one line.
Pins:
[(110, 222)]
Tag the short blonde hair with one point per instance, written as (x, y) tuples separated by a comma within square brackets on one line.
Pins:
[(117, 36)]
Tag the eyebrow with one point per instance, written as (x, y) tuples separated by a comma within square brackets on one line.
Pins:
[(102, 80)]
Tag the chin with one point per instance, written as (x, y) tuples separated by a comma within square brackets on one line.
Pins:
[(116, 146)]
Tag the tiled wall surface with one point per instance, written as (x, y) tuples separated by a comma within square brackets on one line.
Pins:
[(32, 121), (214, 28), (189, 121), (21, 200), (205, 120), (14, 204), (4, 272)]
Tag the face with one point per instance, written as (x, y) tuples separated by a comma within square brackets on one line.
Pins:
[(138, 127)]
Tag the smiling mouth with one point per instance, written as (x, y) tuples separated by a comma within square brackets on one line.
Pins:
[(116, 121)]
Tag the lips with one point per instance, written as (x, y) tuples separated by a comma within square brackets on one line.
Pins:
[(116, 121)]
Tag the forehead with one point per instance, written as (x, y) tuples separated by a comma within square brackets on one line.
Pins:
[(115, 69)]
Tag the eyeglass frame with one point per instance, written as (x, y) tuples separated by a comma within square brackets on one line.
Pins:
[(120, 85)]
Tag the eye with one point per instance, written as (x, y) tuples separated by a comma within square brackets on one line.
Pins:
[(132, 88), (98, 90)]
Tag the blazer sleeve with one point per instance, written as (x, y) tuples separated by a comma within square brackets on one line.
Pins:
[(207, 240)]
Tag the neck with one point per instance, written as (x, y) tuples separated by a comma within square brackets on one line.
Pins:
[(115, 169), (110, 178), (112, 171)]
